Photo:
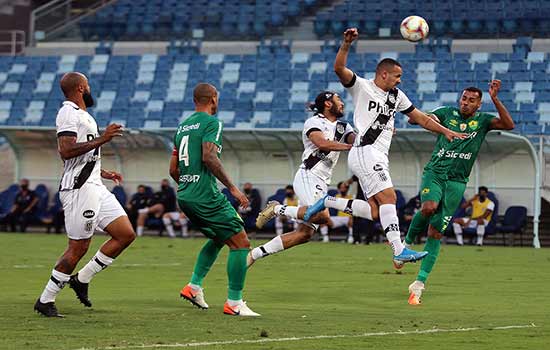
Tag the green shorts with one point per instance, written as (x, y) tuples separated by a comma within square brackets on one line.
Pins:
[(446, 193), (217, 220)]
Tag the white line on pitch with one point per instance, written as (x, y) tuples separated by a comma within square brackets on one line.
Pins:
[(314, 337)]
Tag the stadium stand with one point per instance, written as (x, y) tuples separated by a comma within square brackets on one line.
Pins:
[(268, 89)]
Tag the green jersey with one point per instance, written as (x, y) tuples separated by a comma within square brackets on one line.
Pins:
[(455, 159), (196, 183)]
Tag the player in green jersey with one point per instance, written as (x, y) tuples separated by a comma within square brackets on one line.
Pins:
[(446, 174), (195, 166)]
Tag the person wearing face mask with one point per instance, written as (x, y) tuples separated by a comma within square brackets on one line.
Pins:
[(22, 210), (342, 219), (290, 200), (250, 212), (88, 205), (163, 201), (482, 213)]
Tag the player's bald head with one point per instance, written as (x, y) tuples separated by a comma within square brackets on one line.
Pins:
[(387, 64), (70, 82), (204, 93)]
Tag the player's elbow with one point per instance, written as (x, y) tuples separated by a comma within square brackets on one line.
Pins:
[(65, 155)]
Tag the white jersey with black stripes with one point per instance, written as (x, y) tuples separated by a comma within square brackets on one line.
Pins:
[(323, 162), (374, 112), (86, 168)]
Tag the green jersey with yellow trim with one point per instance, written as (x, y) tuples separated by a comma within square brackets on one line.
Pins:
[(196, 182), (455, 159)]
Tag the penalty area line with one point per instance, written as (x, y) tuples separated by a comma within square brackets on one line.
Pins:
[(314, 337)]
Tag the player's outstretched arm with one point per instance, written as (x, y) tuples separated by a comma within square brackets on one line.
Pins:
[(213, 163), (68, 147), (112, 175), (174, 169), (325, 145), (428, 123), (505, 122), (344, 73)]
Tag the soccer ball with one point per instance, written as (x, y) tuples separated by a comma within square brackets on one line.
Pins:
[(414, 28)]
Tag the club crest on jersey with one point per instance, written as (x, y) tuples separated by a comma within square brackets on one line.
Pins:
[(463, 127), (473, 124), (88, 214), (391, 98), (340, 129), (88, 226), (425, 190)]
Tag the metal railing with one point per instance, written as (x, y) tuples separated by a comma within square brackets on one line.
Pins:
[(54, 17), (12, 42)]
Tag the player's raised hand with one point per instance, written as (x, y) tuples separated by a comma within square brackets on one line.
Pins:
[(112, 175), (240, 197), (494, 87), (350, 35), (112, 130), (451, 135)]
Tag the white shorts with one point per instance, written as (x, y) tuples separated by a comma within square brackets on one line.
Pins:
[(339, 221), (308, 187), (174, 215), (473, 223), (371, 168), (88, 208)]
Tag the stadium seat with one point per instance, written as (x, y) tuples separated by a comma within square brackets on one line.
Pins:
[(514, 221)]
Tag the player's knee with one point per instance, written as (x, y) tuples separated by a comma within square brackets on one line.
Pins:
[(434, 234), (375, 213), (428, 209)]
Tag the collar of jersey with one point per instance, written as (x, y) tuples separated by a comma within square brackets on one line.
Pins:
[(71, 103), (376, 87)]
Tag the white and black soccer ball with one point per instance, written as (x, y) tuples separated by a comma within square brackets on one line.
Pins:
[(414, 28)]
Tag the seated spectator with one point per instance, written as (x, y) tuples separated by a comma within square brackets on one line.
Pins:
[(163, 201), (22, 210), (250, 213), (412, 206), (292, 201), (341, 219), (139, 200), (56, 216), (482, 212), (175, 216)]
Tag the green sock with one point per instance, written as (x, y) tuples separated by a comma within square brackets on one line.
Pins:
[(206, 258), (236, 273), (418, 225), (432, 247)]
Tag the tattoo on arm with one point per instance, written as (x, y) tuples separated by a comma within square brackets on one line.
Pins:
[(213, 163)]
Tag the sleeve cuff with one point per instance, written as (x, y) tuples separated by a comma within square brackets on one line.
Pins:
[(174, 152), (352, 82), (408, 110), (66, 133), (312, 130)]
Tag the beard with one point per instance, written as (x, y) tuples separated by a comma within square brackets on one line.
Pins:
[(88, 99), (336, 112)]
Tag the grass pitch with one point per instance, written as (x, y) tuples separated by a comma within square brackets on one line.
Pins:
[(317, 296)]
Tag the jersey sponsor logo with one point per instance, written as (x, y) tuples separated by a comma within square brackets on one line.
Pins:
[(88, 214), (93, 158), (379, 126), (382, 109), (473, 124), (454, 154), (184, 128), (189, 178)]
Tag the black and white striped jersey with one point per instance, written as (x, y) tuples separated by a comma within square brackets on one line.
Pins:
[(86, 168), (374, 112), (318, 162)]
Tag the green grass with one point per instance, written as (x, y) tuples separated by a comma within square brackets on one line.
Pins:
[(316, 289)]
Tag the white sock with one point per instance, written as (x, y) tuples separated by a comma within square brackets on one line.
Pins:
[(184, 227), (390, 224), (99, 262), (288, 211), (324, 230), (53, 288), (143, 211), (139, 231), (234, 302), (271, 247), (350, 231), (356, 207), (458, 233), (480, 234), (195, 287), (169, 227), (278, 226)]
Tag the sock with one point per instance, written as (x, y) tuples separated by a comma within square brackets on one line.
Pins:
[(143, 211), (480, 233), (234, 302), (432, 247), (458, 233), (56, 282), (350, 232), (98, 263), (271, 247), (184, 227), (288, 211), (206, 258), (419, 224), (356, 207), (390, 224), (236, 273), (169, 227), (324, 230), (278, 226), (140, 231)]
